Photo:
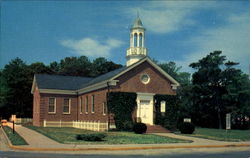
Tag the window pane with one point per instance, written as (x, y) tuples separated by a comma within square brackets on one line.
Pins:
[(86, 105), (93, 103), (66, 106), (51, 104)]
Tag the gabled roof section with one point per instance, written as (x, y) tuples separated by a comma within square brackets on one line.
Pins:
[(174, 82), (104, 77), (73, 84), (45, 81)]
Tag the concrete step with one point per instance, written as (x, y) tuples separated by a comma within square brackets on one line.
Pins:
[(156, 129)]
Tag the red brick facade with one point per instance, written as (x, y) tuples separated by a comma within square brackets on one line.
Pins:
[(128, 82)]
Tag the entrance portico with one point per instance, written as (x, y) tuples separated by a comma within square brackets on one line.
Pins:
[(145, 107)]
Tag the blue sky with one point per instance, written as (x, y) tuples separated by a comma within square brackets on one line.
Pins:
[(179, 31)]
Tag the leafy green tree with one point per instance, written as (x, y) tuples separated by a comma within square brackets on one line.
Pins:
[(17, 95), (75, 66), (174, 71), (102, 66), (216, 89)]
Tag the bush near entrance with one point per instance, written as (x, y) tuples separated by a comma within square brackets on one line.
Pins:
[(169, 118), (186, 128), (140, 128), (122, 104)]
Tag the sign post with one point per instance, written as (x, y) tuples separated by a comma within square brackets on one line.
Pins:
[(228, 121)]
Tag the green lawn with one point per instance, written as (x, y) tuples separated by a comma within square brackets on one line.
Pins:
[(15, 138), (67, 135), (222, 134)]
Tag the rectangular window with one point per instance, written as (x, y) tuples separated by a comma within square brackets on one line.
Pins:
[(104, 107), (52, 105), (80, 105), (93, 104), (163, 106), (66, 106), (86, 105)]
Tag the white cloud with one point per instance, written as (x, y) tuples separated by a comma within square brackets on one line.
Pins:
[(169, 16), (232, 39), (91, 47)]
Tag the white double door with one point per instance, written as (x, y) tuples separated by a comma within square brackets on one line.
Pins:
[(145, 107)]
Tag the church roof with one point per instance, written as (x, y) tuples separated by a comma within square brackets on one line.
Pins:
[(84, 84), (137, 23), (45, 81)]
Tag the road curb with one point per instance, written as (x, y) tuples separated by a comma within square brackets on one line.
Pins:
[(126, 148), (6, 137)]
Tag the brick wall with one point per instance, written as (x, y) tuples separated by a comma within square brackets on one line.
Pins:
[(130, 81), (59, 115), (100, 98)]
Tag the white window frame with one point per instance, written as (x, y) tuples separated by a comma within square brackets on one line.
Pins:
[(80, 105), (93, 104), (54, 105), (69, 106), (86, 105)]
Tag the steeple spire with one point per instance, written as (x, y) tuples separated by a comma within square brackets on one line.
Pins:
[(137, 48)]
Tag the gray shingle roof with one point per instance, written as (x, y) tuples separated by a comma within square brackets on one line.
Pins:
[(104, 77), (45, 81)]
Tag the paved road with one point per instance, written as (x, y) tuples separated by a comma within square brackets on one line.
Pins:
[(234, 154)]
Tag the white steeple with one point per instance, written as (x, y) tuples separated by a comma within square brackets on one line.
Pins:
[(137, 48)]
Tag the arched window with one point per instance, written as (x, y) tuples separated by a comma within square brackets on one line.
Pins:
[(135, 40), (140, 40)]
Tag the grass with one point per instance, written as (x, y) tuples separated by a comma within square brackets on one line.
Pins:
[(15, 138), (222, 134), (68, 135)]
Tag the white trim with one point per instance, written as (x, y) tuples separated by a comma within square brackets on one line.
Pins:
[(33, 85), (141, 79), (112, 81), (57, 91), (69, 106), (152, 64), (99, 85), (54, 106), (150, 114), (92, 103), (104, 106), (145, 94), (80, 105)]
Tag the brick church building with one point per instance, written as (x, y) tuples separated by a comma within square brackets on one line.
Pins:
[(70, 98)]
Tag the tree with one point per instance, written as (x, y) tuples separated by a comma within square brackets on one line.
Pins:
[(17, 95), (102, 66), (217, 86), (76, 66), (16, 80), (174, 71)]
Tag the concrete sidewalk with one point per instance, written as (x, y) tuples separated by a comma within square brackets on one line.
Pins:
[(39, 142)]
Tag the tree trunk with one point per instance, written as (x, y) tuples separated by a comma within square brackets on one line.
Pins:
[(219, 119)]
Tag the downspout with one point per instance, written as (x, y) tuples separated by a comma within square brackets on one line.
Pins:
[(107, 97)]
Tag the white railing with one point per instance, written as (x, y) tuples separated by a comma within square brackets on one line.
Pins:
[(88, 125), (137, 51)]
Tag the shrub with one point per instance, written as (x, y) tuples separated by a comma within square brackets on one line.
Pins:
[(139, 128), (91, 136), (186, 128)]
